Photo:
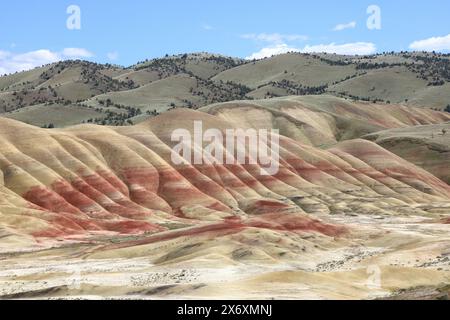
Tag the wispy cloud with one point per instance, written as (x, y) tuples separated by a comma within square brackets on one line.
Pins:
[(76, 53), (11, 62), (112, 56), (432, 44), (275, 38), (355, 48), (277, 43), (344, 26)]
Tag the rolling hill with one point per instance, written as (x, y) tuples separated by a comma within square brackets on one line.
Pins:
[(91, 190), (122, 179), (111, 203), (427, 146), (124, 95)]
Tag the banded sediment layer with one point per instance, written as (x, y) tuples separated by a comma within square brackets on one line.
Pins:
[(91, 183)]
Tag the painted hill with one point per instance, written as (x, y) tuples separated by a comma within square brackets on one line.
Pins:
[(91, 178), (323, 120), (427, 146), (108, 202)]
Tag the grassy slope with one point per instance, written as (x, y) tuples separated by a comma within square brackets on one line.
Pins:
[(59, 115), (395, 84), (301, 69), (156, 95), (164, 82), (432, 97), (22, 80)]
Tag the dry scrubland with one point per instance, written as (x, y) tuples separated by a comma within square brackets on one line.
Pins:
[(100, 211), (114, 95)]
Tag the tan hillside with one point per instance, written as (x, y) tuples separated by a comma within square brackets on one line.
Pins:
[(111, 203), (323, 120), (58, 179), (433, 97), (425, 146), (101, 207)]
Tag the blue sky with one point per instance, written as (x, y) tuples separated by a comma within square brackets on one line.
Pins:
[(124, 32)]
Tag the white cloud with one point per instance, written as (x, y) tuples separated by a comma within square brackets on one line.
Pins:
[(275, 38), (272, 51), (113, 56), (432, 44), (77, 53), (280, 43), (344, 26), (12, 62), (356, 48)]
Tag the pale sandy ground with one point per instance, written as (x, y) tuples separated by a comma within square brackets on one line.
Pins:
[(382, 256)]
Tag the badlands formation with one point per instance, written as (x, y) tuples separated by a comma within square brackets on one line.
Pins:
[(356, 211)]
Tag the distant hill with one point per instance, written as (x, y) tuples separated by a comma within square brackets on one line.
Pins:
[(72, 92)]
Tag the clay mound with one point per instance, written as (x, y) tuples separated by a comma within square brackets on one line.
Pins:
[(426, 146), (323, 120), (90, 180)]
